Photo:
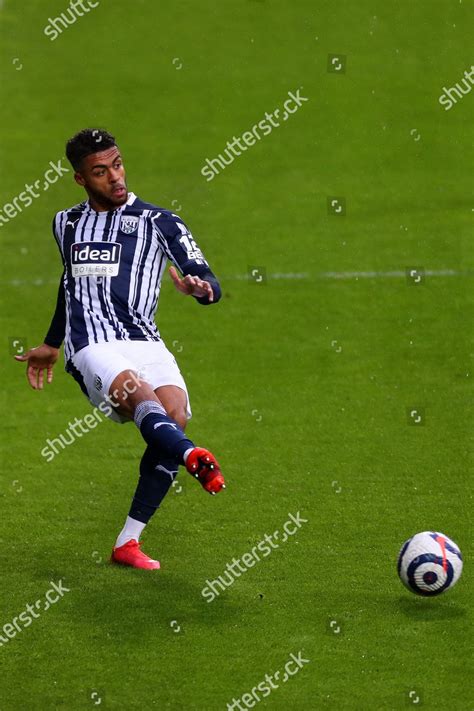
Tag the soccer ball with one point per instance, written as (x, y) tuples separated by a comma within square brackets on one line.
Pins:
[(429, 563)]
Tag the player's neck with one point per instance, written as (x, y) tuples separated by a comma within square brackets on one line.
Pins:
[(105, 206)]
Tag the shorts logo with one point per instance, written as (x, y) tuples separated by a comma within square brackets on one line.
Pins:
[(97, 382), (129, 225), (95, 259)]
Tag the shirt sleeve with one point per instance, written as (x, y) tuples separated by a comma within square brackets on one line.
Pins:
[(57, 328), (181, 249), (206, 275)]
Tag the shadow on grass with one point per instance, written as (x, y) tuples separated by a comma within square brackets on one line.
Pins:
[(430, 609), (124, 602)]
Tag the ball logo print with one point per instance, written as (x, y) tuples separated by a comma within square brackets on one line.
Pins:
[(429, 563)]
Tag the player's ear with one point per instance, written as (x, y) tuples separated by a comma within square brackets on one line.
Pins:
[(79, 179)]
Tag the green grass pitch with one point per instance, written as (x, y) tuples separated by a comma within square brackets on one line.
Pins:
[(302, 383)]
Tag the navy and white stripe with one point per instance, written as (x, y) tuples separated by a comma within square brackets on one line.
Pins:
[(122, 305)]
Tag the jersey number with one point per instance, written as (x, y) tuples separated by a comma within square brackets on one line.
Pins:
[(192, 250)]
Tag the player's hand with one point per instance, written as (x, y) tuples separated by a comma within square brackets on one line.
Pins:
[(191, 285), (39, 359)]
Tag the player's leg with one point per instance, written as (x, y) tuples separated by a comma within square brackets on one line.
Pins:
[(175, 400), (157, 468), (157, 472), (159, 464), (136, 398), (107, 374), (199, 462)]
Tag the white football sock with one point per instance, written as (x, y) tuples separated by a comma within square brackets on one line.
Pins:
[(132, 529), (187, 453)]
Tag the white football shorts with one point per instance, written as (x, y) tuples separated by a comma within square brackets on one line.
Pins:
[(96, 366)]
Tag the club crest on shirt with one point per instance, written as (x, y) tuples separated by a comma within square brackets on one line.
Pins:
[(129, 224)]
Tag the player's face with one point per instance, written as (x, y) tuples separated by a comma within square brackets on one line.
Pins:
[(103, 176)]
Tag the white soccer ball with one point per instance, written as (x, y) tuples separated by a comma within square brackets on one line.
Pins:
[(429, 563)]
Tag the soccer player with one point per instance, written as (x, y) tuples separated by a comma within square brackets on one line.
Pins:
[(114, 249)]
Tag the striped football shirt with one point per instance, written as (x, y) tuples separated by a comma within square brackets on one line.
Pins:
[(113, 266)]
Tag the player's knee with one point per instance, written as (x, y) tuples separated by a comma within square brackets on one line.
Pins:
[(178, 414)]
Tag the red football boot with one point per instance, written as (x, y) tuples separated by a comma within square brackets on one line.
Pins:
[(203, 465), (130, 554)]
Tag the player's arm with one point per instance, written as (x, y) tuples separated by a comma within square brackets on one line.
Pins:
[(197, 278), (42, 358)]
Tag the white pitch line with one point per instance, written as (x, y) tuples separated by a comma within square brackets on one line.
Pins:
[(285, 276), (340, 276), (277, 275), (30, 282), (397, 273)]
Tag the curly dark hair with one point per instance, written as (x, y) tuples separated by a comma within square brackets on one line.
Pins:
[(86, 142)]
